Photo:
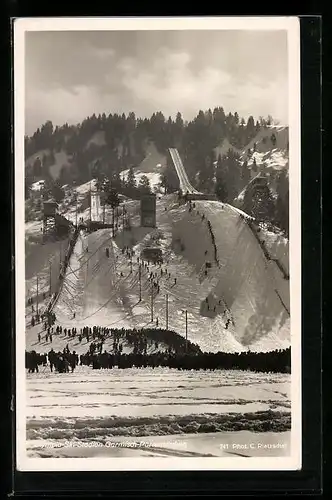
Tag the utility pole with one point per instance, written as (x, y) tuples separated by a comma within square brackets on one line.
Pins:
[(104, 207), (166, 311), (140, 282), (123, 221), (50, 269), (151, 304), (90, 203), (60, 257), (37, 297), (76, 209), (123, 216), (186, 330), (113, 223)]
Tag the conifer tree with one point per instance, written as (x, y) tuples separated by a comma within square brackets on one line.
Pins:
[(131, 180), (144, 185)]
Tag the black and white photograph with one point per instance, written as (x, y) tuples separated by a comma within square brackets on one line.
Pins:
[(158, 264)]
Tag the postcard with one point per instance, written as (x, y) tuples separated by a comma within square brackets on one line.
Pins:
[(158, 243)]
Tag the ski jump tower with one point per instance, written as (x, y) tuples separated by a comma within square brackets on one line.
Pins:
[(49, 216), (148, 210)]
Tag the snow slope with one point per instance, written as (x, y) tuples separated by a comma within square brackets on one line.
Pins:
[(39, 154), (152, 167), (247, 282), (61, 158), (268, 157), (42, 260), (245, 287), (244, 284), (98, 139), (154, 177), (153, 159)]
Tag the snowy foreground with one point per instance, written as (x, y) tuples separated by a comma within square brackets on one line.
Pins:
[(160, 412)]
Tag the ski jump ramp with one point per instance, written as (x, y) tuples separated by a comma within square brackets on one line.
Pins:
[(185, 186)]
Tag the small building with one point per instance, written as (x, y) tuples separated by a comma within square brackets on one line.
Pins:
[(148, 210), (37, 189), (152, 254), (50, 208)]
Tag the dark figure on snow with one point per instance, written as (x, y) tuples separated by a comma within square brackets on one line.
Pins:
[(73, 361), (51, 358), (31, 362)]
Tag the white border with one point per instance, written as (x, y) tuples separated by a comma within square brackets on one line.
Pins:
[(292, 26)]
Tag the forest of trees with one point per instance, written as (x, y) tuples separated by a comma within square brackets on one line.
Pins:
[(125, 139)]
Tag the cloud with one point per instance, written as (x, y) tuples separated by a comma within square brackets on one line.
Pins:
[(72, 75), (103, 54), (62, 105)]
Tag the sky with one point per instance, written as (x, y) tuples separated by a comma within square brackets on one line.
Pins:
[(70, 75)]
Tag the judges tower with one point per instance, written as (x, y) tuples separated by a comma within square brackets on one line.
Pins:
[(148, 210)]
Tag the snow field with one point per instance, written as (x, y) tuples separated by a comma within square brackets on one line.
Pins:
[(90, 407)]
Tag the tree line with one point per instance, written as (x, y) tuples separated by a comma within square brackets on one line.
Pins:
[(125, 138)]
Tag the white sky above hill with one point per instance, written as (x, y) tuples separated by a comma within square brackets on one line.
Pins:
[(73, 74)]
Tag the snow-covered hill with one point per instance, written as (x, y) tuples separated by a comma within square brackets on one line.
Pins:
[(244, 288), (98, 139), (267, 154), (152, 167), (105, 291), (61, 159)]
